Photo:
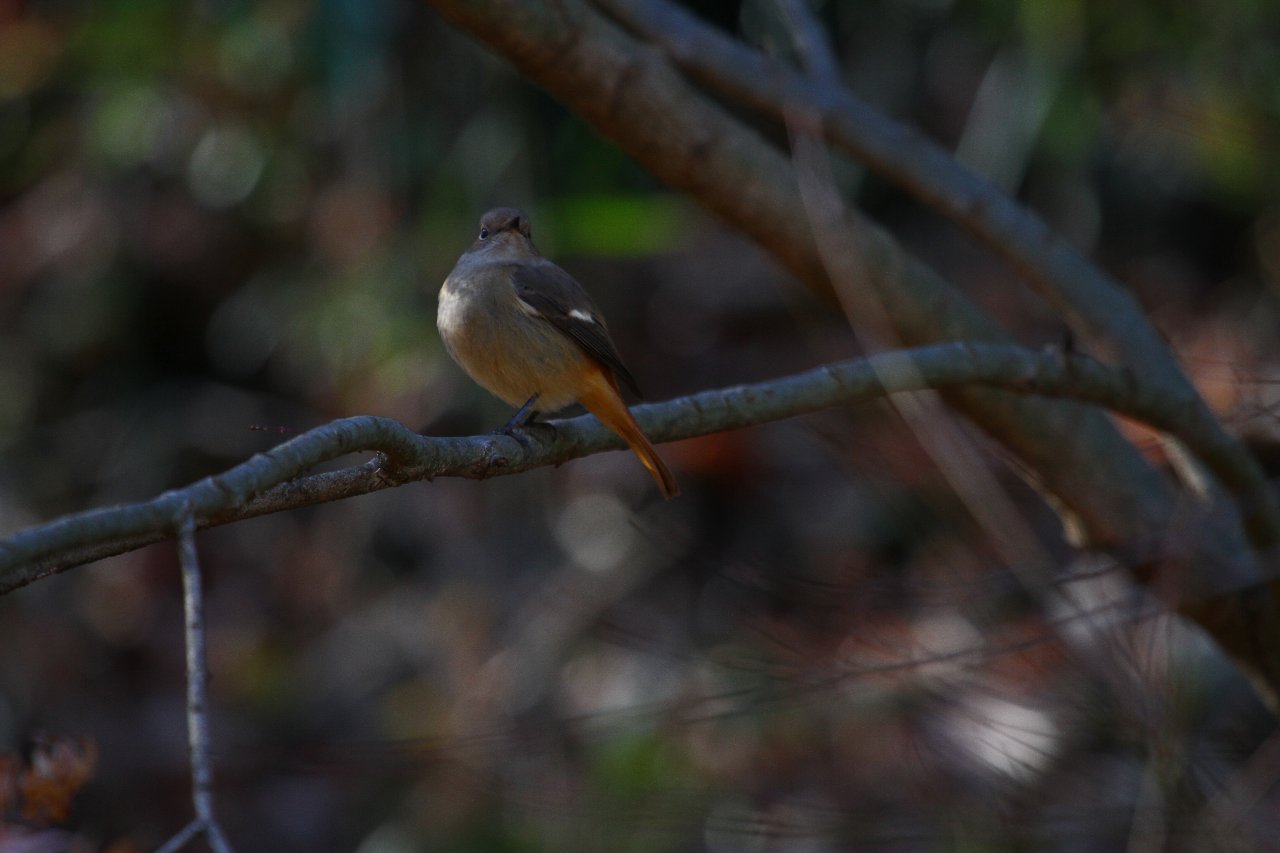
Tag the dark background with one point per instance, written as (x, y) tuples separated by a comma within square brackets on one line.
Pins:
[(215, 215)]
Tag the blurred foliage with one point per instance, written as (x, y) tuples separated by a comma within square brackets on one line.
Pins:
[(221, 214)]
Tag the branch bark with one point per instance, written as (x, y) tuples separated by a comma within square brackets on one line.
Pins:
[(198, 740), (269, 482), (1096, 307)]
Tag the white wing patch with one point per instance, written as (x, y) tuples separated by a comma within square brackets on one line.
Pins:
[(579, 314)]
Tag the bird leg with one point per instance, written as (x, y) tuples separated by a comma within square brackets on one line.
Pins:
[(524, 424)]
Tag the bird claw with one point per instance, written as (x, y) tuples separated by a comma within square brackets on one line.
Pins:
[(527, 433)]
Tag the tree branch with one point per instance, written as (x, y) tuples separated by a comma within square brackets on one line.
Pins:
[(269, 482), (1096, 306), (1093, 303), (197, 700)]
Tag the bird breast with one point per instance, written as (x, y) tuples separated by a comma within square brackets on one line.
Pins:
[(509, 350)]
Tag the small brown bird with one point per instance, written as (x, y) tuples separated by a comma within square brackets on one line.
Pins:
[(528, 333)]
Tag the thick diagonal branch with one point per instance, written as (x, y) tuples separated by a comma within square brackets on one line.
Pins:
[(1093, 303)]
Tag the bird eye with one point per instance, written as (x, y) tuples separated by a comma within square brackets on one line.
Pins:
[(484, 232)]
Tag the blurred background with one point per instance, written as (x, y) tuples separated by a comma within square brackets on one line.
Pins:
[(222, 214)]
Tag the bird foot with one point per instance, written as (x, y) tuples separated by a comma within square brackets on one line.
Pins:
[(527, 433)]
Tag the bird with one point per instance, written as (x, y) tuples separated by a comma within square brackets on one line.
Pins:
[(527, 332)]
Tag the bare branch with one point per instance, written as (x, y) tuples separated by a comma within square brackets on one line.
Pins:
[(266, 482), (184, 837), (197, 699), (1093, 303)]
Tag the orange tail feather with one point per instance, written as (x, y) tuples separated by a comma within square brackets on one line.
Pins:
[(601, 399)]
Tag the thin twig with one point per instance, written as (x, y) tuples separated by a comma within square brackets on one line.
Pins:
[(811, 42), (197, 699), (182, 838)]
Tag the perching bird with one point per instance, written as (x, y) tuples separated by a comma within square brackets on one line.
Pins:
[(527, 332)]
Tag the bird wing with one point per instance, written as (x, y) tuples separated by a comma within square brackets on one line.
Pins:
[(557, 297)]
